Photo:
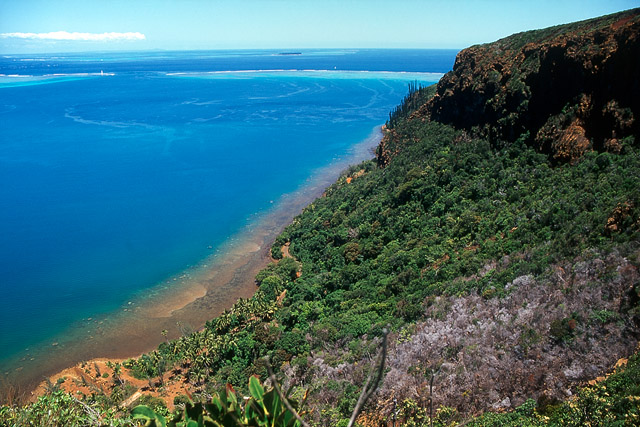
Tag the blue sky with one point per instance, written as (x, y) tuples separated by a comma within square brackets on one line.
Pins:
[(80, 25)]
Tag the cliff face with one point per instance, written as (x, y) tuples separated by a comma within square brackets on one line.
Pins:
[(565, 89)]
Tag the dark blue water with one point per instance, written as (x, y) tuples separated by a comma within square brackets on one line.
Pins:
[(408, 60), (118, 171)]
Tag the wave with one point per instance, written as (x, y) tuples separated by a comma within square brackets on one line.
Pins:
[(59, 75), (16, 75), (14, 80), (201, 103), (69, 114), (79, 74)]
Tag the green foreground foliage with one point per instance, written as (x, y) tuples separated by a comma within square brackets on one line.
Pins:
[(614, 401), (60, 409), (224, 410)]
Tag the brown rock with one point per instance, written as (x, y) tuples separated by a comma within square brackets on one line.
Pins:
[(564, 89)]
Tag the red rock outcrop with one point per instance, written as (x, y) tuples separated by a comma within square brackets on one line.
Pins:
[(564, 89)]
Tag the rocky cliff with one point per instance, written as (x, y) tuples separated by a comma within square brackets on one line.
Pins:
[(565, 89)]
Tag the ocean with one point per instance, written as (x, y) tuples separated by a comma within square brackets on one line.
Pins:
[(130, 176)]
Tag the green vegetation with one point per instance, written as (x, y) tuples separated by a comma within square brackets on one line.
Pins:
[(418, 95), (59, 409), (262, 408)]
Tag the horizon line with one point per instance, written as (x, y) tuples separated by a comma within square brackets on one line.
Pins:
[(275, 49)]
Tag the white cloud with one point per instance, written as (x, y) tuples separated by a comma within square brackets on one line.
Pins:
[(65, 35)]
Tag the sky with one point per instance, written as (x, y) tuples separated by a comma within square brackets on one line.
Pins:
[(41, 26)]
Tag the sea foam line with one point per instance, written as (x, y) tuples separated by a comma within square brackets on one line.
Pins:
[(18, 80), (58, 75)]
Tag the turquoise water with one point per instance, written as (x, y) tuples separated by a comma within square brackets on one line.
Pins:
[(120, 171)]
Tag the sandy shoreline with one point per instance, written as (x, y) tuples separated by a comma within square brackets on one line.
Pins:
[(138, 330), (186, 301)]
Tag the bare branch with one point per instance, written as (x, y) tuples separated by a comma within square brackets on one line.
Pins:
[(92, 413), (276, 387), (370, 387)]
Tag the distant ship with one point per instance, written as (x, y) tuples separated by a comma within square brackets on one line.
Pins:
[(290, 53)]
